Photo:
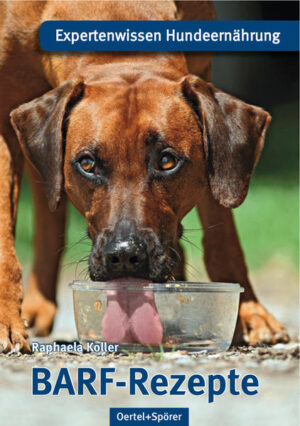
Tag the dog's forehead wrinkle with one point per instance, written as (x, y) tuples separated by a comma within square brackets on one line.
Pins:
[(124, 122), (155, 136), (129, 72), (132, 104)]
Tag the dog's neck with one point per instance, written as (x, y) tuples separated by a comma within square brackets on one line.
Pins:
[(62, 67), (95, 66)]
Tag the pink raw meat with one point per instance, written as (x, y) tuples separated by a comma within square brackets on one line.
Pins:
[(131, 316)]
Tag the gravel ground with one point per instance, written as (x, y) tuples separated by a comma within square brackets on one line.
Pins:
[(277, 370)]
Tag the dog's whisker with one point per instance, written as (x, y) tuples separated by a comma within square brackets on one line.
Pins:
[(185, 239), (203, 228), (76, 269), (193, 275), (193, 272), (193, 267), (83, 273), (76, 262), (176, 252), (82, 241)]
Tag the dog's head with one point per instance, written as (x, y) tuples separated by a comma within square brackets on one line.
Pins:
[(133, 152)]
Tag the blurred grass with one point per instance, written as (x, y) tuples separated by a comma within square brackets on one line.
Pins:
[(267, 224), (267, 221)]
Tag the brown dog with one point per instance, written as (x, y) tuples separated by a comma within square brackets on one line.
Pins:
[(135, 142)]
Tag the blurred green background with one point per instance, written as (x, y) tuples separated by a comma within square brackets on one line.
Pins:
[(268, 219)]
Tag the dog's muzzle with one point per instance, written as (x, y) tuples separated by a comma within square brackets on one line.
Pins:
[(126, 251)]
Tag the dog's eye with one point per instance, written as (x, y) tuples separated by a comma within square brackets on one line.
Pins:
[(87, 164), (167, 162), (90, 167)]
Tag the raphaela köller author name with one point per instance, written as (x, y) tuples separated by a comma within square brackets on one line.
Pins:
[(89, 347)]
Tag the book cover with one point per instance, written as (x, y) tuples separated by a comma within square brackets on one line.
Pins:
[(149, 212)]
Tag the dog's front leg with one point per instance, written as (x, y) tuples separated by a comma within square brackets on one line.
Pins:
[(225, 262), (12, 330), (39, 306)]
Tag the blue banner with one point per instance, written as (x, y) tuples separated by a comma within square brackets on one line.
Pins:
[(149, 416), (238, 36)]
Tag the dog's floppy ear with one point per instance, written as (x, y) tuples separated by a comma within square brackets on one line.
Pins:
[(233, 136), (41, 129)]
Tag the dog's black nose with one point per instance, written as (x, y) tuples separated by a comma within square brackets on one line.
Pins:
[(125, 253), (125, 256)]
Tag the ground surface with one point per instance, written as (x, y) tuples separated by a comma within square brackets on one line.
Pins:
[(276, 369)]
